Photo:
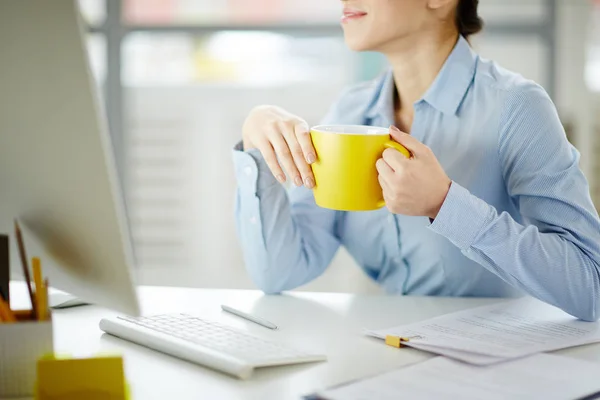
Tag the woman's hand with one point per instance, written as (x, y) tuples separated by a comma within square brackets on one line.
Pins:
[(284, 141), (417, 186)]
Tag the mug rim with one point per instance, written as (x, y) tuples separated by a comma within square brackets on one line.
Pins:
[(381, 131)]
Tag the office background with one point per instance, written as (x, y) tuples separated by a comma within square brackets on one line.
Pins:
[(179, 76)]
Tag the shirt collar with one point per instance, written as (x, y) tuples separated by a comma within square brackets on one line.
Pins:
[(447, 91)]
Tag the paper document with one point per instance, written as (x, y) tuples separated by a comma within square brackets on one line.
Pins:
[(510, 329), (466, 356), (541, 376)]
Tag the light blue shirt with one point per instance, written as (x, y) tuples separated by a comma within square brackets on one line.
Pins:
[(518, 218)]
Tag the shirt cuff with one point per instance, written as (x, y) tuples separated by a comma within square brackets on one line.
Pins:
[(462, 217), (251, 169)]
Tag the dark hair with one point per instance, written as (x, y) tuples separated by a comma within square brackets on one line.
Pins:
[(467, 18)]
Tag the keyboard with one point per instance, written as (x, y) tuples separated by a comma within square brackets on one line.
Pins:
[(207, 343)]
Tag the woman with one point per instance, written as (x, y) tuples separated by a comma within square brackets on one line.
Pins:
[(492, 203)]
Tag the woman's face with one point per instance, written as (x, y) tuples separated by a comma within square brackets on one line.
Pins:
[(370, 25)]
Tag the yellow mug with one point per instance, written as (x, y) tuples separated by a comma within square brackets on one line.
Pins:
[(345, 171)]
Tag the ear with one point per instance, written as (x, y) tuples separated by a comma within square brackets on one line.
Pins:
[(438, 4)]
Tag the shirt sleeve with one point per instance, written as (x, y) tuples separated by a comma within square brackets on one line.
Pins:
[(553, 251), (286, 239)]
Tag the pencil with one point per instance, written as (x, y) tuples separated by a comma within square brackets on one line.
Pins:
[(2, 319), (25, 267), (39, 285), (43, 310), (6, 312), (2, 297)]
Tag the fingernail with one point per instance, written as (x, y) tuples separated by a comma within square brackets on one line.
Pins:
[(298, 181), (311, 158), (309, 182), (392, 127), (281, 178)]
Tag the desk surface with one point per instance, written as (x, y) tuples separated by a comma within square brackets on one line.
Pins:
[(331, 323)]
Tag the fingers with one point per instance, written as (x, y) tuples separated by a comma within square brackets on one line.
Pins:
[(384, 169), (385, 174), (413, 145), (394, 159), (284, 153), (289, 133), (386, 188), (303, 136), (274, 131), (268, 153)]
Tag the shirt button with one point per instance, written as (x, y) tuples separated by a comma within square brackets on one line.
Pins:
[(253, 220), (248, 171)]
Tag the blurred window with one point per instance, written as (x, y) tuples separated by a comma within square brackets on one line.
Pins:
[(259, 58), (93, 11), (186, 12), (512, 11), (592, 71)]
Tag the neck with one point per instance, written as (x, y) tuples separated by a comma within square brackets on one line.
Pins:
[(416, 61)]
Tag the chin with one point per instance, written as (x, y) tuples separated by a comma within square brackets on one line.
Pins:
[(358, 43)]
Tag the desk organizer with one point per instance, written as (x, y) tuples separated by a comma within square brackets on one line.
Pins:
[(22, 343)]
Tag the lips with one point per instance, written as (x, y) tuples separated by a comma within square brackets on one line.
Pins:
[(350, 14)]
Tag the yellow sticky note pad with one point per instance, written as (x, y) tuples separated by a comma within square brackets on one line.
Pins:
[(97, 378)]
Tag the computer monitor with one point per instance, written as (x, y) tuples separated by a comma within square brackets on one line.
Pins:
[(57, 169)]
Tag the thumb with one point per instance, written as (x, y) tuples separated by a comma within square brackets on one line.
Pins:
[(411, 144)]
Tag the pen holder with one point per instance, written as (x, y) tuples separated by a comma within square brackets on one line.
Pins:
[(22, 343)]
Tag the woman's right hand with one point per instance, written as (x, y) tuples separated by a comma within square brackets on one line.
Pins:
[(284, 142)]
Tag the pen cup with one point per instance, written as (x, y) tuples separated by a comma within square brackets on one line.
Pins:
[(22, 343)]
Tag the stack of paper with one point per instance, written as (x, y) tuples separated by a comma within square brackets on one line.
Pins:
[(542, 376), (490, 334)]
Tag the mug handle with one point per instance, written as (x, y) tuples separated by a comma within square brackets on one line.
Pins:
[(397, 146)]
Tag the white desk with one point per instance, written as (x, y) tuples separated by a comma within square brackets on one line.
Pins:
[(331, 323)]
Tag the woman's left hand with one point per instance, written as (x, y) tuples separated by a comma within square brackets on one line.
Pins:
[(417, 186)]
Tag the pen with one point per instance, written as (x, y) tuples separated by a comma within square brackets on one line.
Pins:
[(249, 317), (25, 266)]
